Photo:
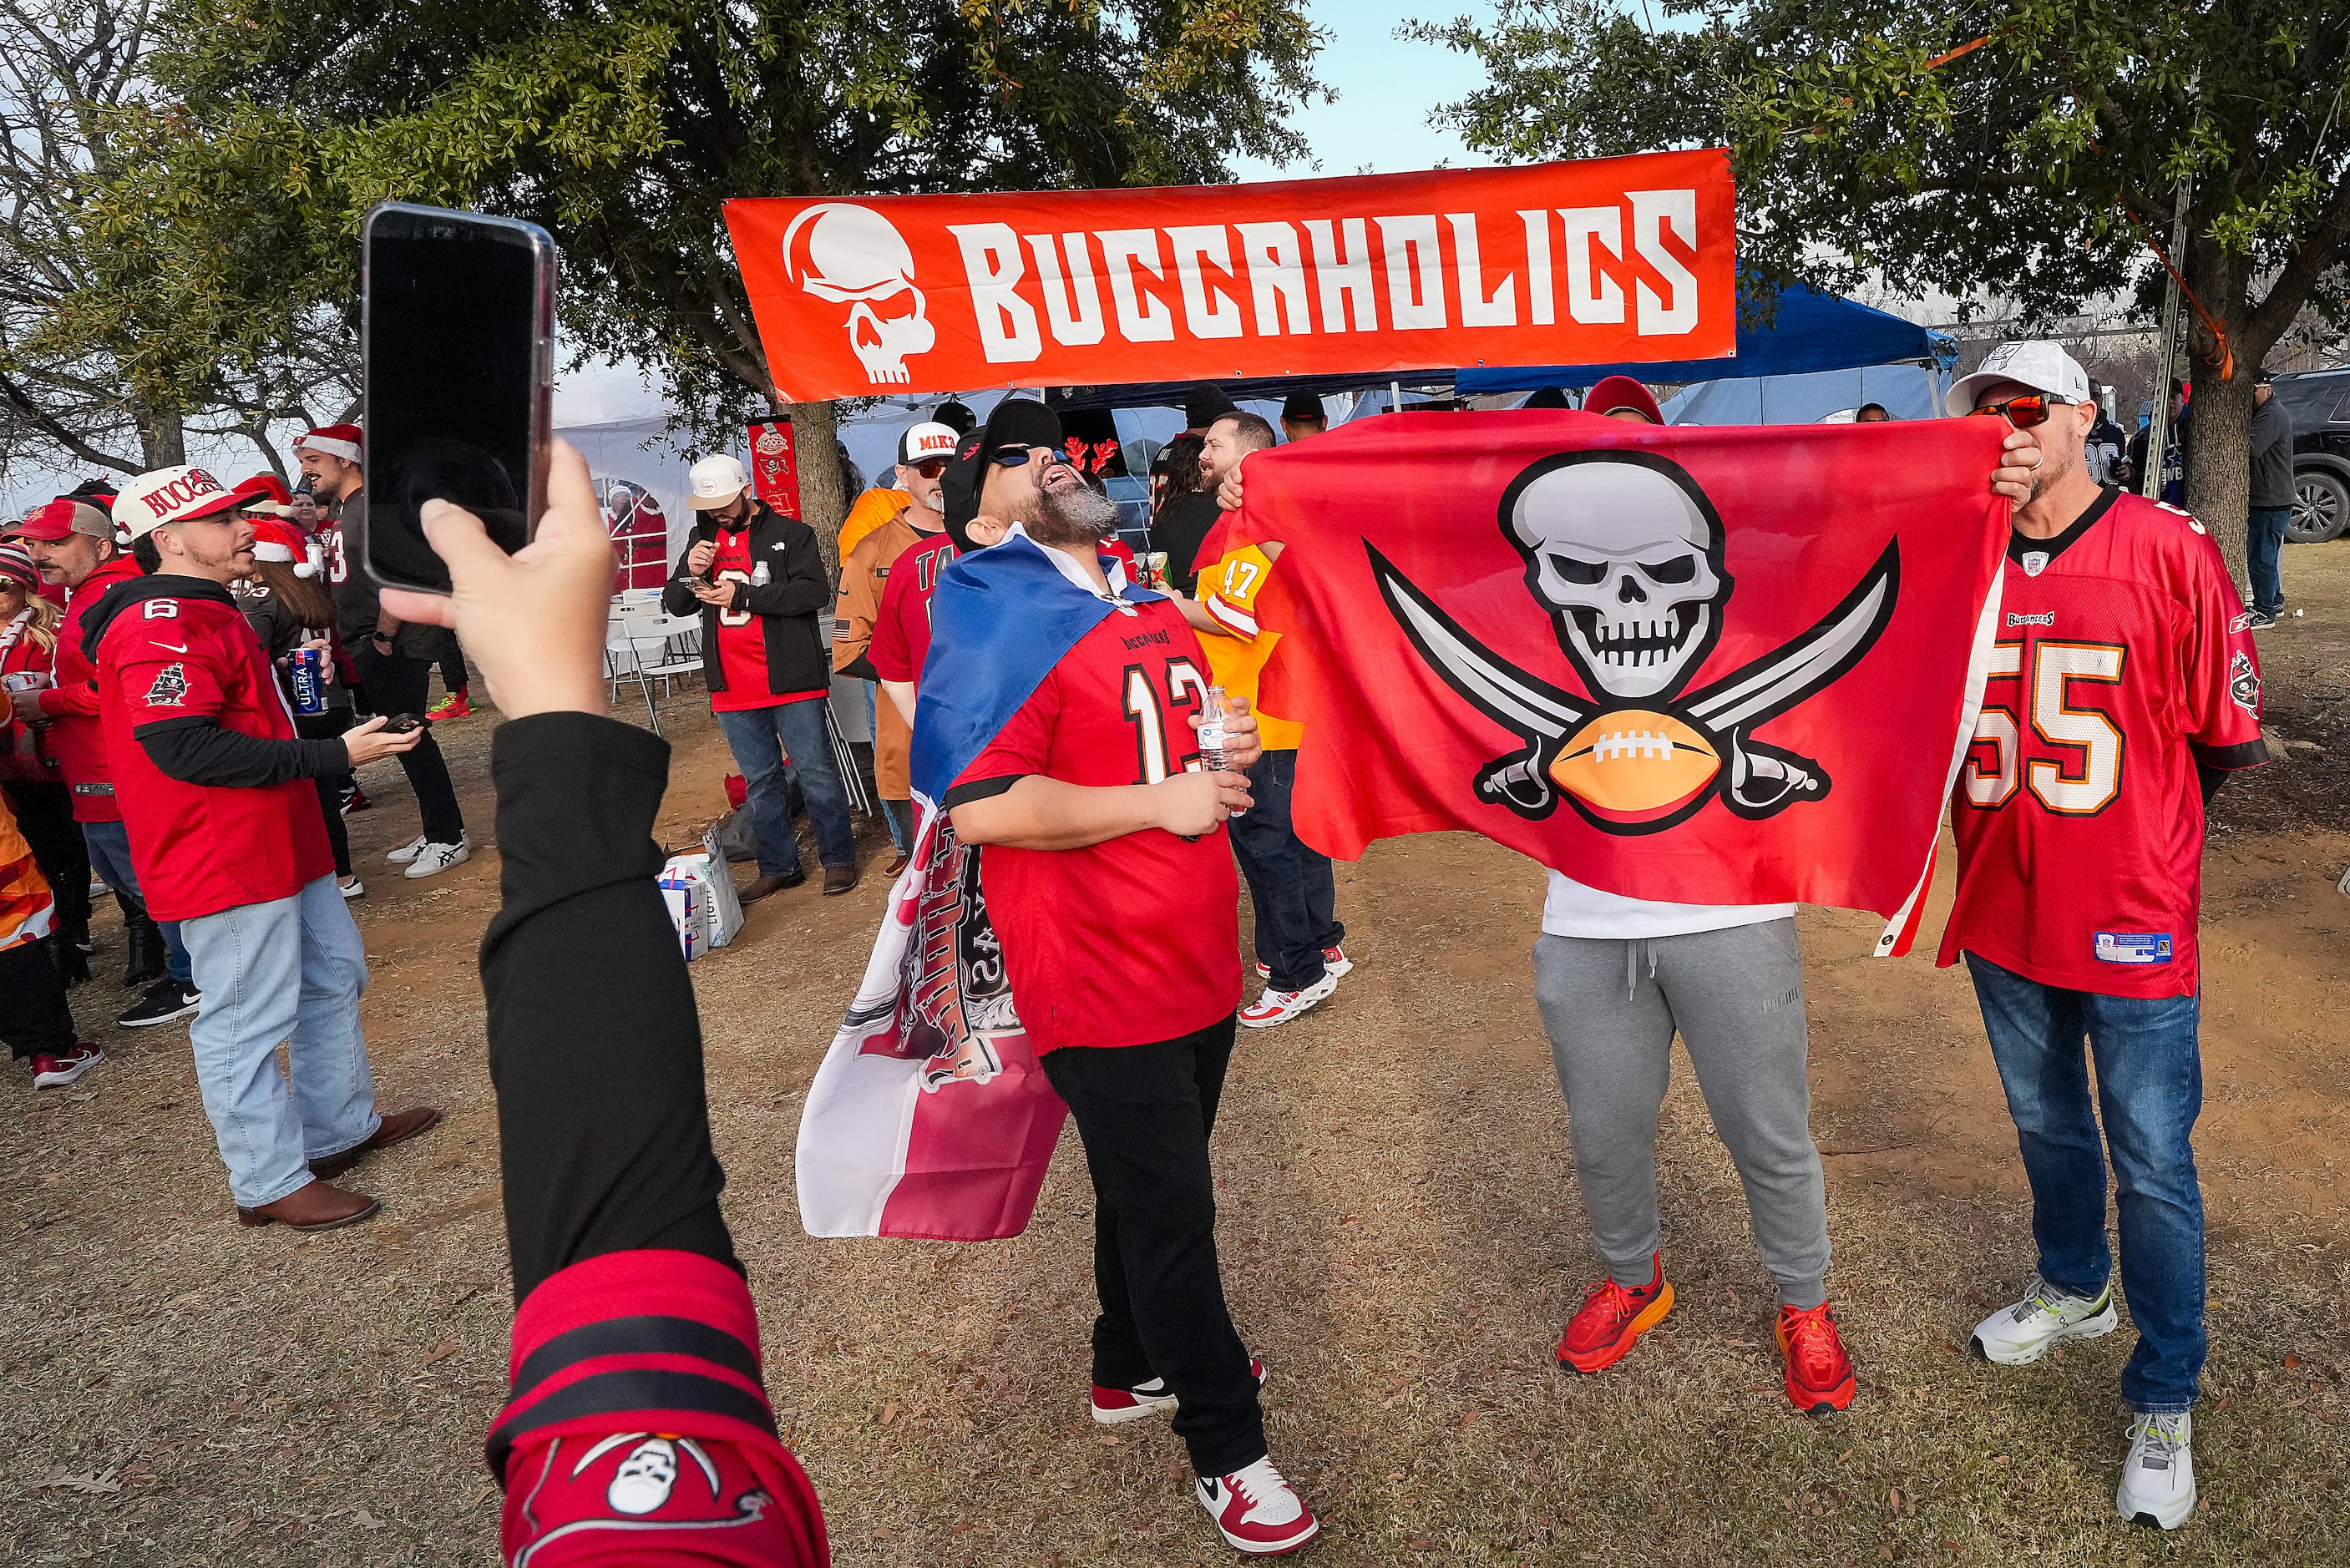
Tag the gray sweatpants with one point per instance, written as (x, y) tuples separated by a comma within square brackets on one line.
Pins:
[(1737, 997)]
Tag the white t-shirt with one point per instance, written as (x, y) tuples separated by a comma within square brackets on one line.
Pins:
[(1573, 909)]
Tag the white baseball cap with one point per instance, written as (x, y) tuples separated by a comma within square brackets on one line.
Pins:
[(176, 494), (2043, 366), (927, 440), (716, 482)]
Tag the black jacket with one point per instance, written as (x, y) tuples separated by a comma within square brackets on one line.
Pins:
[(789, 604)]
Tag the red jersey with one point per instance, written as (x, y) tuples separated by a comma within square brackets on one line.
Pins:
[(1136, 940), (742, 638), (75, 737), (176, 648), (2123, 660), (901, 627)]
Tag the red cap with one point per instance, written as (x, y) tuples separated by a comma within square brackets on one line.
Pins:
[(1614, 392), (54, 520)]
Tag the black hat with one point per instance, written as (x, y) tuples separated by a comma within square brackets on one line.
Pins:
[(1547, 398), (1204, 405), (1014, 422), (1299, 407), (956, 416)]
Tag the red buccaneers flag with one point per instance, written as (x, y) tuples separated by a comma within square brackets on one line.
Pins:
[(1709, 666)]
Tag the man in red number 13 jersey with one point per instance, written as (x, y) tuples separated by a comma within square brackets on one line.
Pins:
[(2123, 687)]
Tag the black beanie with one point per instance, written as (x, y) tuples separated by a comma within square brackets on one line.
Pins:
[(1014, 422), (1204, 405)]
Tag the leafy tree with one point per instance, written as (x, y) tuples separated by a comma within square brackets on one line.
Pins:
[(2035, 165), (623, 130)]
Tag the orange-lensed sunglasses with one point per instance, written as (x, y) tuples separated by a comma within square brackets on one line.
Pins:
[(2025, 411)]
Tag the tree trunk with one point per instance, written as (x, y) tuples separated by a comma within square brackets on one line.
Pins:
[(162, 441), (824, 499), (2219, 460)]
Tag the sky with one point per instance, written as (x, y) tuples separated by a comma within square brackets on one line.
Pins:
[(1385, 87)]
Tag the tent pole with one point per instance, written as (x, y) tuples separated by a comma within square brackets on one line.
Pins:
[(2149, 484)]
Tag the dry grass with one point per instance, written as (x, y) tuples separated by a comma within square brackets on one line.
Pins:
[(1400, 1232)]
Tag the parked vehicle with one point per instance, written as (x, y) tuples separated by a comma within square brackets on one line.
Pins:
[(2319, 402)]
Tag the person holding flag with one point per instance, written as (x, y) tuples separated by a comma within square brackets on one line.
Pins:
[(1054, 722)]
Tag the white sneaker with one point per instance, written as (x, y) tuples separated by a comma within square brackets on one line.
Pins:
[(1280, 1006), (354, 888), (435, 858), (2021, 1335), (406, 852), (2158, 1478), (1257, 1510)]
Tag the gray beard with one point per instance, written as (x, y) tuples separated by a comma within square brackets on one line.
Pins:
[(1077, 516)]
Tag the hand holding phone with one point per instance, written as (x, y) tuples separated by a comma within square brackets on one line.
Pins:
[(379, 738)]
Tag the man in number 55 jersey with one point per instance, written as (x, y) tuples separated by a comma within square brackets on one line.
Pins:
[(2123, 688)]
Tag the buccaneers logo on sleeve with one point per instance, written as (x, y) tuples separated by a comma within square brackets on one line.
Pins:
[(171, 686), (1625, 553)]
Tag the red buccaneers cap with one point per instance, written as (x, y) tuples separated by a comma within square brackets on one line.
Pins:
[(1614, 392), (54, 520), (177, 494)]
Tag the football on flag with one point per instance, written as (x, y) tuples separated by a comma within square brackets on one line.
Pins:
[(1634, 766)]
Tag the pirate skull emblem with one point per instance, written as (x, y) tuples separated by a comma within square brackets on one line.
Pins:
[(1629, 563), (853, 256), (645, 1478)]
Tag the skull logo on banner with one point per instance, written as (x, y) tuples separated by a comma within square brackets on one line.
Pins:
[(1624, 553), (853, 256)]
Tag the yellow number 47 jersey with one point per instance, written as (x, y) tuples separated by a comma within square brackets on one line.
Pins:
[(1231, 591)]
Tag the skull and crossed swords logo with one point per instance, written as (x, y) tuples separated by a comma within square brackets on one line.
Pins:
[(1625, 553)]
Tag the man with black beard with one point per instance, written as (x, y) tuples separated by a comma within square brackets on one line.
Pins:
[(1112, 892)]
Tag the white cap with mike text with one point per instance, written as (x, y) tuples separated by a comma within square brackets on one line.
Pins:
[(717, 479), (2043, 366), (925, 440), (163, 496)]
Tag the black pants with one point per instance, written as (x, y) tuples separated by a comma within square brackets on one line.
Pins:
[(45, 812), (325, 726), (1144, 1113), (394, 684), (453, 670), (34, 1018)]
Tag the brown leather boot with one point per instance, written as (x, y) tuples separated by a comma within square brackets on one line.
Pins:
[(320, 1206), (840, 880), (755, 891), (396, 1127)]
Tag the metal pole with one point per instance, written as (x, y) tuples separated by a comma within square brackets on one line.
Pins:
[(2149, 484)]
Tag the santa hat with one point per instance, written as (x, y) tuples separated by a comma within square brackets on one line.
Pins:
[(274, 540), (264, 493), (335, 441)]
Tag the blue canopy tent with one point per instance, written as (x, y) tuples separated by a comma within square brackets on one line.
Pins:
[(1809, 331)]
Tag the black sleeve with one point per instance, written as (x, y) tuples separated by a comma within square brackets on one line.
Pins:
[(677, 594), (195, 750), (802, 588), (2211, 778), (860, 667), (594, 1046)]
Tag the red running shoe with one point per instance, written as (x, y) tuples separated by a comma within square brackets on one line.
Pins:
[(1612, 1320), (55, 1071), (457, 705), (1113, 1407), (1819, 1373)]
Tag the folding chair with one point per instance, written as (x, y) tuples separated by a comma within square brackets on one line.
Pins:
[(637, 646)]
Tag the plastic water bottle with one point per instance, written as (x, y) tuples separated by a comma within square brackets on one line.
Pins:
[(1213, 711)]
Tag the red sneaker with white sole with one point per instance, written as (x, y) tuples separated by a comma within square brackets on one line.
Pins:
[(1611, 1321), (1819, 1373), (1333, 962), (56, 1070), (1257, 1510), (1114, 1406)]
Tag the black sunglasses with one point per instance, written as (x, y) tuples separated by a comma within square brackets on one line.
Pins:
[(1015, 456)]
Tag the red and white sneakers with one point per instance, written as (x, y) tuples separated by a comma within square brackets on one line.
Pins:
[(1258, 1511), (1612, 1319), (1819, 1373), (1115, 1406), (1333, 962), (56, 1071)]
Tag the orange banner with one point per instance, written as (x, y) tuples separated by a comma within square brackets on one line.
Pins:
[(1588, 263)]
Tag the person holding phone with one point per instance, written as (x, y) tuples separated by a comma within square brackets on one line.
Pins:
[(760, 584), (638, 1430), (225, 825), (394, 658)]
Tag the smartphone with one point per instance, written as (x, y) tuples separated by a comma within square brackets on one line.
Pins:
[(457, 367)]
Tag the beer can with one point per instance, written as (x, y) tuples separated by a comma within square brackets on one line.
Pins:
[(308, 667)]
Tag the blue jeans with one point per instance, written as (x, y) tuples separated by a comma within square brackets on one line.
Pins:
[(2264, 552), (901, 834), (2150, 1088), (771, 745), (1291, 885), (109, 856), (291, 970)]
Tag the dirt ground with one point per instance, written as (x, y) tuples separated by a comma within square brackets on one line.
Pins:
[(1400, 1230)]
